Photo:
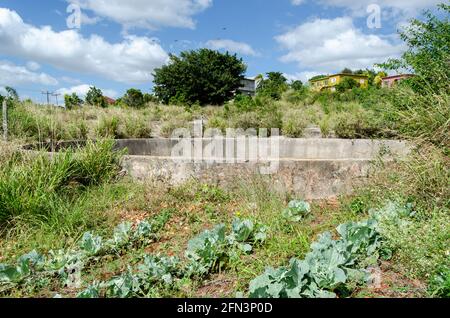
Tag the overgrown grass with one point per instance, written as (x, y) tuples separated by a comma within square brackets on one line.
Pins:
[(55, 196)]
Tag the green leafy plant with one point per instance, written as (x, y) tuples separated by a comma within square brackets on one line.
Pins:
[(328, 267), (297, 210)]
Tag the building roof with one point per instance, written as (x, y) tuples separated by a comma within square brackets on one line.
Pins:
[(397, 76), (338, 74), (110, 100)]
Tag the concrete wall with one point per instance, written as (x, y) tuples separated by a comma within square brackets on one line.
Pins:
[(309, 168)]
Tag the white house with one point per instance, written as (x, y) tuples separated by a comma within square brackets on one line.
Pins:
[(249, 85)]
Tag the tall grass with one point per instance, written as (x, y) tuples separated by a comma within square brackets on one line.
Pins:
[(39, 186)]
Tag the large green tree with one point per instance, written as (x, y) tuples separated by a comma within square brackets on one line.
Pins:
[(203, 76)]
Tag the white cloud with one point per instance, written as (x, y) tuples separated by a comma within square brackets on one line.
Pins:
[(325, 45), (232, 46), (11, 75), (297, 2), (396, 7), (149, 14), (130, 61), (302, 76), (70, 80), (33, 66), (81, 90)]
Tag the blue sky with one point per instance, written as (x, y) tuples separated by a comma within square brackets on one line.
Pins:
[(121, 42)]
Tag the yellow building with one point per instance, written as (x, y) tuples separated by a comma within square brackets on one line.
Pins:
[(329, 82)]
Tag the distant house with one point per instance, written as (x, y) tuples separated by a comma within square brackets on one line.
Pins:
[(390, 81), (249, 86), (329, 82), (109, 100)]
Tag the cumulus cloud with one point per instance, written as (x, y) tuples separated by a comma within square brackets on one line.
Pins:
[(325, 45), (11, 75), (33, 66), (232, 46), (130, 61), (81, 90), (396, 7), (149, 14)]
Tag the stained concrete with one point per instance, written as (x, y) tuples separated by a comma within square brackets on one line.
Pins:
[(308, 168)]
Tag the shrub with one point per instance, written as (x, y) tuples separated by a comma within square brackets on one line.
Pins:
[(133, 98), (72, 101), (346, 84), (204, 76), (94, 97), (273, 86), (294, 124)]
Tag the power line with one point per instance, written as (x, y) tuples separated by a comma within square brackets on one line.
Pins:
[(56, 95), (48, 96)]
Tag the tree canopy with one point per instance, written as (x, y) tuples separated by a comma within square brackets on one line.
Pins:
[(204, 76), (273, 86), (428, 53), (95, 97)]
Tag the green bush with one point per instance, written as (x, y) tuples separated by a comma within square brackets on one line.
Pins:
[(294, 124), (72, 101), (274, 86), (133, 98), (94, 97)]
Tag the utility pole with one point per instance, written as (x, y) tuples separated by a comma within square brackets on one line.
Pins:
[(48, 96), (5, 120), (56, 95)]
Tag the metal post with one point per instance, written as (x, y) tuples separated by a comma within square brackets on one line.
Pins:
[(5, 121)]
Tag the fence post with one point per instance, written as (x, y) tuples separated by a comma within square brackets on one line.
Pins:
[(5, 120)]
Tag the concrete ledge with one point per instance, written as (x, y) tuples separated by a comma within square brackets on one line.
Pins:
[(308, 168)]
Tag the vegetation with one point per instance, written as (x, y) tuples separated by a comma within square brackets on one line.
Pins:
[(204, 76), (72, 101), (94, 97), (134, 98), (72, 225)]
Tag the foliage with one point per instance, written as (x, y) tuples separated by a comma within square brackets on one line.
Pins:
[(347, 71), (150, 98), (297, 210), (346, 84), (64, 264), (12, 93), (428, 51), (440, 283), (273, 86), (133, 98), (72, 101), (318, 77), (35, 188), (211, 250), (204, 76), (326, 269), (297, 85), (95, 97)]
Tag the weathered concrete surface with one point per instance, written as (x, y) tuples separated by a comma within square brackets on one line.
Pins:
[(309, 168)]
